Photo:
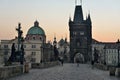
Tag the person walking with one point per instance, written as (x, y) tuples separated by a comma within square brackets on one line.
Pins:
[(61, 60), (77, 61), (92, 63)]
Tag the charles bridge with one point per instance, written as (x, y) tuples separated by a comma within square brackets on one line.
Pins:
[(68, 71)]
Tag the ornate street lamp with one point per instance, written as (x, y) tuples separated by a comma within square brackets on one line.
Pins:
[(41, 54)]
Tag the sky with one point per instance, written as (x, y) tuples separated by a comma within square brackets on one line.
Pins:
[(53, 17)]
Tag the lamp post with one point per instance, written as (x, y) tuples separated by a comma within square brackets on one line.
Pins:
[(118, 42), (42, 50), (118, 65), (105, 55), (41, 55)]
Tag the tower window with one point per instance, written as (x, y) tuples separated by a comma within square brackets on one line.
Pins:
[(33, 53), (33, 46), (74, 33), (81, 33), (5, 46)]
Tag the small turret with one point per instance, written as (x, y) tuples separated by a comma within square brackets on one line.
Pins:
[(89, 19), (70, 19), (55, 42)]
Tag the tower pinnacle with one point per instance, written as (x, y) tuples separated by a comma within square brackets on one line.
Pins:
[(78, 2), (78, 14)]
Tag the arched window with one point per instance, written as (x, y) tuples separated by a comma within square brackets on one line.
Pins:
[(33, 38)]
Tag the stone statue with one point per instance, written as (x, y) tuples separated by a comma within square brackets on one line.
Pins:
[(56, 53), (22, 54), (12, 57)]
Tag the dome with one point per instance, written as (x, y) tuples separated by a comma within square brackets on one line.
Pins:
[(36, 29)]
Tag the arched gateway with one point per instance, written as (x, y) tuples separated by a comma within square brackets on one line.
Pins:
[(80, 57)]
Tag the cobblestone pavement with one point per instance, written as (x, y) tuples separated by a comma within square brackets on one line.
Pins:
[(66, 72)]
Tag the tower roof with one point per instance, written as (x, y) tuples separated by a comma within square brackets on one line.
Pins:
[(78, 15)]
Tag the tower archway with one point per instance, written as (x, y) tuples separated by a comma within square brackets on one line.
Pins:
[(80, 57)]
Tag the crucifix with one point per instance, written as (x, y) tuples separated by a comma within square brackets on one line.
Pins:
[(19, 35)]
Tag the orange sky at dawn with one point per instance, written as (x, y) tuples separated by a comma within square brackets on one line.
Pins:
[(53, 17)]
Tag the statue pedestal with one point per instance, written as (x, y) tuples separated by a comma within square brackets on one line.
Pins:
[(26, 67), (112, 71), (15, 63), (117, 72)]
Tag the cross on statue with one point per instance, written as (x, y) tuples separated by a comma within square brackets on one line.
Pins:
[(19, 35), (19, 31)]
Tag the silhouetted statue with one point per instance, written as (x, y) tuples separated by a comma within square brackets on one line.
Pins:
[(12, 57), (20, 51), (20, 32), (56, 53), (22, 54)]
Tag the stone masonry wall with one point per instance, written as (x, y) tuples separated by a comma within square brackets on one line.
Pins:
[(10, 71)]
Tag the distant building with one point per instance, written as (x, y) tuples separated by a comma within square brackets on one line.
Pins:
[(111, 51), (80, 35), (35, 45), (48, 52), (64, 49), (100, 51), (107, 52)]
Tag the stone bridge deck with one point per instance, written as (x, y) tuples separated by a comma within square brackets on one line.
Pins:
[(66, 72)]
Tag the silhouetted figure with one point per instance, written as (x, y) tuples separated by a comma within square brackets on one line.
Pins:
[(61, 60), (92, 63), (22, 54), (77, 61), (12, 57), (56, 53)]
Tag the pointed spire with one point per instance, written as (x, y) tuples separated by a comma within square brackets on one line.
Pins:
[(86, 16), (65, 39), (54, 42), (78, 15), (70, 19), (89, 19), (81, 2), (78, 2), (118, 41), (75, 2)]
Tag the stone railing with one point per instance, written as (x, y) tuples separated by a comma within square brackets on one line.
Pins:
[(10, 71), (44, 65), (101, 66)]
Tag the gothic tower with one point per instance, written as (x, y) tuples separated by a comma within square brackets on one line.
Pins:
[(80, 35)]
